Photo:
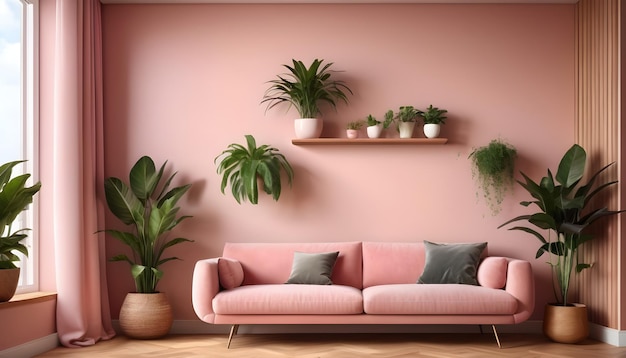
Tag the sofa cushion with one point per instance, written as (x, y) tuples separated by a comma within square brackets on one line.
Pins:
[(451, 263), (289, 299), (312, 268), (230, 273), (437, 299), (492, 272), (270, 263), (392, 262)]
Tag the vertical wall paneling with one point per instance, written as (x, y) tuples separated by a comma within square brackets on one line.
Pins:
[(598, 132)]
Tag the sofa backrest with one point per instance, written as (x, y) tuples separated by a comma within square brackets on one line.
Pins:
[(393, 262), (270, 263)]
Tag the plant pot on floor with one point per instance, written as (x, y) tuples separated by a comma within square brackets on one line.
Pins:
[(9, 279), (308, 127), (566, 324), (146, 315)]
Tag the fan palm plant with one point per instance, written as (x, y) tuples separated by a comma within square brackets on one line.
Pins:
[(151, 214), (564, 213), (305, 88), (243, 167)]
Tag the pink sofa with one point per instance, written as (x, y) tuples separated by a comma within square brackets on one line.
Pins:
[(372, 283)]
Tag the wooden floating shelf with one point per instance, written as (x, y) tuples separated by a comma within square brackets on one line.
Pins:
[(369, 141)]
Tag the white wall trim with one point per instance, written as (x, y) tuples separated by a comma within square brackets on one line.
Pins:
[(607, 335), (32, 348)]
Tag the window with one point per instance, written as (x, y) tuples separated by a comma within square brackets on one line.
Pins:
[(18, 111)]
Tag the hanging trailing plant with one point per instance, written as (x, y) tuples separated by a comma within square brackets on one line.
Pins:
[(492, 169)]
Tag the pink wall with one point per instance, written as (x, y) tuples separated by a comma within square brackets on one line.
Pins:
[(184, 81)]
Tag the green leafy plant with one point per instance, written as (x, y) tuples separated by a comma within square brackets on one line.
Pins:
[(372, 121), (150, 208), (389, 115), (243, 167), (564, 214), (305, 88), (356, 125), (407, 114), (15, 196), (493, 169), (433, 115)]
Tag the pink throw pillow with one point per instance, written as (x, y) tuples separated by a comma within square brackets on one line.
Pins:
[(492, 272), (230, 273)]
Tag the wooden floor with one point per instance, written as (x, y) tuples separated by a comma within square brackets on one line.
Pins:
[(342, 345)]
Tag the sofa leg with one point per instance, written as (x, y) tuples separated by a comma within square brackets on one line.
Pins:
[(233, 332), (495, 333)]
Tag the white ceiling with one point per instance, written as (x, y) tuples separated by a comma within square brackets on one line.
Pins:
[(338, 1)]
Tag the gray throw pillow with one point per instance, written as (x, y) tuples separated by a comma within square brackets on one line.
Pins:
[(312, 268), (451, 263)]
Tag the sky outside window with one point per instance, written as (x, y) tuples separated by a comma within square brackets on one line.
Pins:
[(10, 81)]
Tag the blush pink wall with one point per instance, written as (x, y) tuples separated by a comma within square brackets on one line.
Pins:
[(184, 81)]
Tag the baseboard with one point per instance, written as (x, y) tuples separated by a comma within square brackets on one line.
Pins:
[(607, 335), (32, 348)]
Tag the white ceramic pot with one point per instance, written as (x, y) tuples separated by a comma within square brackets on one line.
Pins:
[(308, 127), (432, 130), (374, 131), (406, 129), (352, 133)]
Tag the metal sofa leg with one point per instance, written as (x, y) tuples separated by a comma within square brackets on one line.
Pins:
[(233, 332), (495, 333)]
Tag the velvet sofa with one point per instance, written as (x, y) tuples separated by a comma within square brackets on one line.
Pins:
[(367, 283)]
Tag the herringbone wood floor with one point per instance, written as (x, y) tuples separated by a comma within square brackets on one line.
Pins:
[(343, 346)]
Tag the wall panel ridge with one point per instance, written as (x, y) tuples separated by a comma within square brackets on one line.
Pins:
[(598, 131)]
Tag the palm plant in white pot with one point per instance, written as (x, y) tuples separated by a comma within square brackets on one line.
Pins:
[(306, 88)]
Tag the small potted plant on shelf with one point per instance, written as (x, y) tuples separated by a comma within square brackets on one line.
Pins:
[(564, 213), (374, 126), (433, 118), (15, 196), (493, 168), (352, 128), (406, 117), (149, 207), (306, 88), (246, 167)]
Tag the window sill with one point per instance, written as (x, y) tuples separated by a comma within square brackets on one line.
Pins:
[(29, 298)]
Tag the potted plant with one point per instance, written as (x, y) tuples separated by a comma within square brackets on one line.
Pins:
[(15, 196), (406, 117), (493, 168), (564, 213), (433, 118), (244, 167), (352, 129), (306, 88), (150, 208), (375, 127)]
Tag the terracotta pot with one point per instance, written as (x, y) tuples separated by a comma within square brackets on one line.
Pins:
[(566, 324), (146, 315), (9, 278)]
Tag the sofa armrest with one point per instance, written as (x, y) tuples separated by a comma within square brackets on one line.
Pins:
[(205, 285), (520, 283)]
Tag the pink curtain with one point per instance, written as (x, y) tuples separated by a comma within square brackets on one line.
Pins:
[(83, 316)]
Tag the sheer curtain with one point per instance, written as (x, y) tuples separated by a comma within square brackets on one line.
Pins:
[(83, 316)]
